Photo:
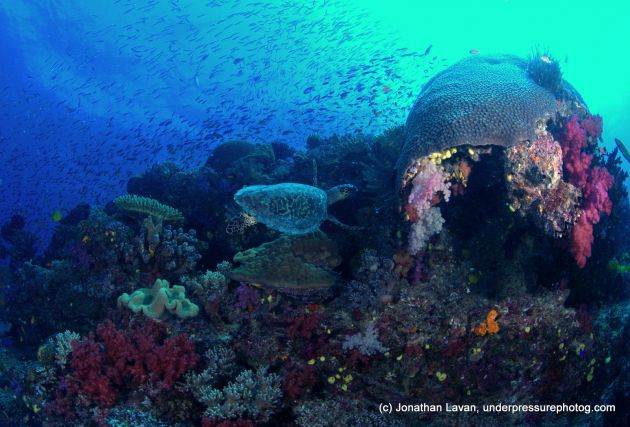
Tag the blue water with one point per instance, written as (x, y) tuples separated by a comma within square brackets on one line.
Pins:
[(95, 92)]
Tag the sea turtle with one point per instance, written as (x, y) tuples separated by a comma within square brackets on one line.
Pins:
[(292, 208)]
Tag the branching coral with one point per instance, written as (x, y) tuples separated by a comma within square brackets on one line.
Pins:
[(148, 206), (211, 284), (62, 345), (168, 249), (250, 395)]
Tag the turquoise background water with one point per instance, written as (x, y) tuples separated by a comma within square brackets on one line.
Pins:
[(96, 91)]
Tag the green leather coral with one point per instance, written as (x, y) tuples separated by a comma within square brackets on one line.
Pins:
[(153, 302), (294, 263), (148, 206)]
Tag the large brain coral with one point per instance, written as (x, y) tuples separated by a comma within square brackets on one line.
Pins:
[(480, 100)]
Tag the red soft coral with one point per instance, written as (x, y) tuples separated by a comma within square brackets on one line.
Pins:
[(581, 240), (124, 358), (88, 377), (297, 381), (304, 325), (168, 362)]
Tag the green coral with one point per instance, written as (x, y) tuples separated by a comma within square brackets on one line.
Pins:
[(148, 206), (299, 262), (155, 301), (622, 265)]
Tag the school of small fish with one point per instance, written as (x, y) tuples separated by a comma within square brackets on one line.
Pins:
[(89, 101)]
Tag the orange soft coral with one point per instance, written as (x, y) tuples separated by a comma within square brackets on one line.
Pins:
[(490, 326)]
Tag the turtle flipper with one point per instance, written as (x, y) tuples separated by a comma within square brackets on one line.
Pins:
[(342, 225)]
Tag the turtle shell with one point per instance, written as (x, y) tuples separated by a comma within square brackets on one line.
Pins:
[(290, 208)]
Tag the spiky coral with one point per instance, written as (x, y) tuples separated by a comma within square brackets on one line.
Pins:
[(543, 68), (148, 206)]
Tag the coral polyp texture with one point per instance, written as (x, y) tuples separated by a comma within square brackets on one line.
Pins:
[(479, 100)]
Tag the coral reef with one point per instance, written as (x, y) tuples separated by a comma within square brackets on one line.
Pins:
[(474, 289), (535, 185)]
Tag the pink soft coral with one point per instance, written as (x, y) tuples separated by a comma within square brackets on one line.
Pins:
[(593, 125), (595, 194), (430, 180), (596, 201), (594, 182)]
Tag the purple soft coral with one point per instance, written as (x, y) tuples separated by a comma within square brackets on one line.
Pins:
[(247, 297)]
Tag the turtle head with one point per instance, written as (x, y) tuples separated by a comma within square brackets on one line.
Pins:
[(340, 192), (347, 190), (251, 199)]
